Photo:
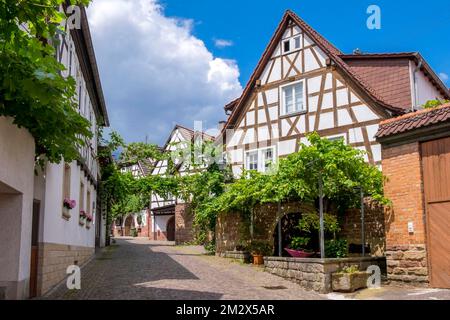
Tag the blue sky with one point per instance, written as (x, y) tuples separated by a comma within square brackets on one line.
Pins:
[(406, 26), (190, 57)]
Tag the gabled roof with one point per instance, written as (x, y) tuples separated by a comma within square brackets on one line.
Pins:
[(188, 134), (327, 47), (414, 120), (338, 59)]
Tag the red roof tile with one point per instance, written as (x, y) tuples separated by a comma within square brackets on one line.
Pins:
[(414, 120)]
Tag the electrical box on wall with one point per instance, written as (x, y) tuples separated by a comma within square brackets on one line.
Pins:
[(411, 227)]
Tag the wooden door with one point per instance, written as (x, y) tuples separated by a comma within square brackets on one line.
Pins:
[(436, 174), (34, 250)]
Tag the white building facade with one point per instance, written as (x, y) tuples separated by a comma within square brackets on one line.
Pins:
[(47, 237)]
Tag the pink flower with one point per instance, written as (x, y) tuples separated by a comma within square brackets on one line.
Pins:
[(69, 204), (83, 214)]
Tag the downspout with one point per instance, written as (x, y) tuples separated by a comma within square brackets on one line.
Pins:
[(416, 96)]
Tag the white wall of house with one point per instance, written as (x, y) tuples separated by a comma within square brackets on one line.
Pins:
[(57, 229), (425, 89), (16, 199), (330, 107), (160, 223)]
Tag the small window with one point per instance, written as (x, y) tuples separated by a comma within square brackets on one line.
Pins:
[(287, 46), (297, 42), (252, 160), (293, 98), (260, 160), (268, 158), (337, 138)]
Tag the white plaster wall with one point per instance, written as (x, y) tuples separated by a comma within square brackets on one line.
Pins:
[(160, 223), (55, 228), (425, 90), (16, 172)]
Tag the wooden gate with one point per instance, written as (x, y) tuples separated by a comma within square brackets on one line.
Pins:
[(436, 175)]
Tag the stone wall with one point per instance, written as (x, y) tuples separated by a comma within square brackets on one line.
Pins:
[(374, 228), (54, 260), (232, 229), (184, 220), (407, 264), (242, 256), (405, 251), (315, 274)]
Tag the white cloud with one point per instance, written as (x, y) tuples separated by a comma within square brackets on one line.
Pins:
[(222, 43), (444, 77), (155, 73)]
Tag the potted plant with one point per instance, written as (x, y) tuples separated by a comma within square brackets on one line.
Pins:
[(68, 205), (89, 219), (297, 248), (349, 279), (82, 217), (259, 249)]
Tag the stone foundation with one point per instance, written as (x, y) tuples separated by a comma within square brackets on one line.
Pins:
[(315, 274), (407, 264), (54, 260), (242, 256)]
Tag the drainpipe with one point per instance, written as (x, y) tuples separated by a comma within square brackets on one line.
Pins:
[(416, 96)]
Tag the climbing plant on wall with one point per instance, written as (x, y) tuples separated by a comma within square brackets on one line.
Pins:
[(32, 89)]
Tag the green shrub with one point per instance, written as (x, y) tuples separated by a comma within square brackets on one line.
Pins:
[(336, 248)]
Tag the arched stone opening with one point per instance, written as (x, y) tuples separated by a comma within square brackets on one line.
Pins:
[(128, 225), (171, 229)]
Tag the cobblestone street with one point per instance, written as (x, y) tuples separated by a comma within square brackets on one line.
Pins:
[(139, 269), (135, 268)]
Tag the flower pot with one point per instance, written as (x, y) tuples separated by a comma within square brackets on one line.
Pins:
[(88, 224), (81, 221), (258, 259), (66, 213), (349, 282), (299, 253)]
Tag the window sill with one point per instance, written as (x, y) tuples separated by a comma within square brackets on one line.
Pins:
[(294, 114)]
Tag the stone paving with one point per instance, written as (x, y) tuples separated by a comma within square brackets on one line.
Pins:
[(139, 269), (135, 268)]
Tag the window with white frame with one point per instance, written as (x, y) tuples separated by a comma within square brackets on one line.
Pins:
[(338, 137), (292, 44), (260, 160), (293, 97), (252, 160)]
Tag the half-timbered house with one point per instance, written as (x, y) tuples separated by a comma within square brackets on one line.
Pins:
[(303, 83), (170, 218)]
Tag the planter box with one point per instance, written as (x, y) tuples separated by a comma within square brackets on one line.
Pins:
[(315, 273), (258, 259), (349, 282), (242, 256)]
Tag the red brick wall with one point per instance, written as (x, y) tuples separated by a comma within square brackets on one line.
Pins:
[(405, 252), (402, 167)]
